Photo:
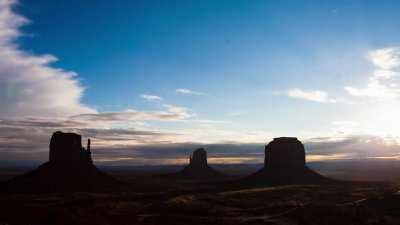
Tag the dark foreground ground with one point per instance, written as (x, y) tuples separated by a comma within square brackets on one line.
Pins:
[(361, 204), (166, 200)]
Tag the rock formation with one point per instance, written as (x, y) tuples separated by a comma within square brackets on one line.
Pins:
[(284, 163), (67, 148), (285, 153), (198, 158), (198, 167), (70, 168)]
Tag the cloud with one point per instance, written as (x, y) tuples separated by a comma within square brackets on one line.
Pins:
[(314, 95), (23, 140), (355, 146), (385, 58), (172, 113), (29, 86), (28, 140), (177, 110), (151, 97), (38, 99), (178, 153), (188, 92), (384, 82)]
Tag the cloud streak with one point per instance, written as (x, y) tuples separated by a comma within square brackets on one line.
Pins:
[(172, 113), (151, 97), (184, 91), (314, 96)]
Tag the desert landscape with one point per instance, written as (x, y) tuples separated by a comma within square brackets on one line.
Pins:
[(284, 191), (199, 112)]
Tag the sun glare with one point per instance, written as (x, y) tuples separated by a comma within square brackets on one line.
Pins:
[(383, 119)]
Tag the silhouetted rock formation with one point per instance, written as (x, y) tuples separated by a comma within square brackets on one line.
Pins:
[(198, 167), (284, 163), (67, 148), (198, 158), (69, 169), (285, 153)]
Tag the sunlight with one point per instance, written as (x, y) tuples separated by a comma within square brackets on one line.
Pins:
[(383, 119)]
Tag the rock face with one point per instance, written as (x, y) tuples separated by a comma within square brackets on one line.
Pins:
[(198, 158), (69, 169), (285, 153), (198, 167), (67, 148), (284, 164)]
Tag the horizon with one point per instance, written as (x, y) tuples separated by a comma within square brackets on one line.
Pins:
[(150, 81)]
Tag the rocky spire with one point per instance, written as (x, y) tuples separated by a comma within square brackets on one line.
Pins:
[(88, 152)]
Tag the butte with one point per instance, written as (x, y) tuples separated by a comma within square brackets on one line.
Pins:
[(284, 163), (69, 169)]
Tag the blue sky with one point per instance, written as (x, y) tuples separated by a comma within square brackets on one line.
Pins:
[(222, 71)]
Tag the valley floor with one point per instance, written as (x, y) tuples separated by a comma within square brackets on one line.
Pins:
[(185, 202)]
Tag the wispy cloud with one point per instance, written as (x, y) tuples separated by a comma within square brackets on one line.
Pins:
[(171, 113), (314, 95), (385, 58), (188, 92), (384, 83), (177, 110), (151, 97), (29, 86)]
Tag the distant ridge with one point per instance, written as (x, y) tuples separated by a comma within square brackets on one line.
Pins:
[(69, 169)]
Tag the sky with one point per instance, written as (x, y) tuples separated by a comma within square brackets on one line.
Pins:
[(149, 81)]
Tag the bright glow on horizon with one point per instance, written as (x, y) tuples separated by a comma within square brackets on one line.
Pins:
[(383, 119)]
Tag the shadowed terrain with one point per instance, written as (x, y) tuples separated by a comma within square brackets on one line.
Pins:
[(292, 204)]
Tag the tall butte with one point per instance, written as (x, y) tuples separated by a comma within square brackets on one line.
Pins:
[(284, 163), (66, 148), (70, 168), (198, 167)]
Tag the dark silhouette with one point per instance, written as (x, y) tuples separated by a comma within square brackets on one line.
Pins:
[(70, 168), (67, 148), (285, 153), (200, 199), (198, 158), (198, 167), (284, 164)]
